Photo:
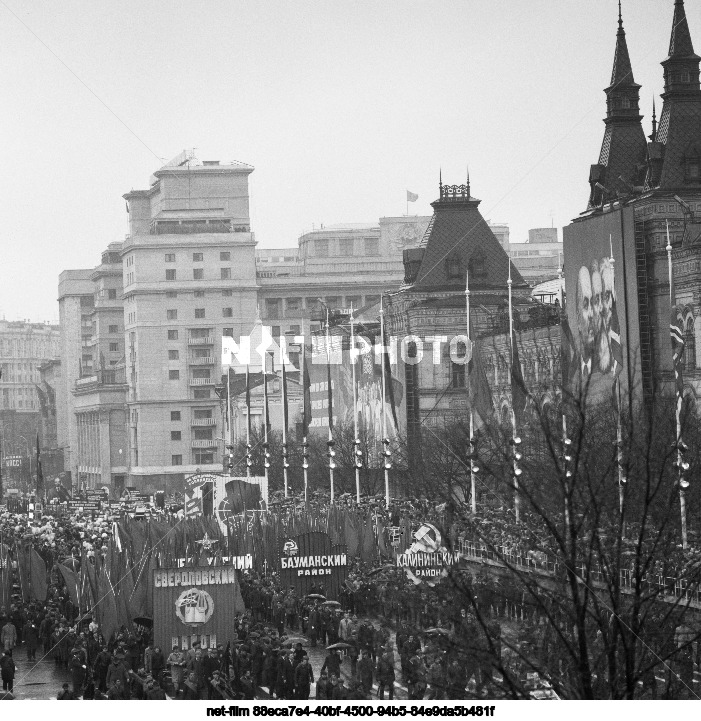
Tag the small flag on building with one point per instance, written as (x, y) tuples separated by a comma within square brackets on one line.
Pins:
[(411, 197)]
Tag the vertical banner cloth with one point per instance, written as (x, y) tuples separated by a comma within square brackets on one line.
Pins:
[(32, 573), (71, 579), (5, 577), (519, 395)]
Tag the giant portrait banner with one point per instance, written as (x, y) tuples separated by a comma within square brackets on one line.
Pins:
[(601, 338), (368, 406)]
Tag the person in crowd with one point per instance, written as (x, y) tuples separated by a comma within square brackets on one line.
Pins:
[(7, 671), (365, 672), (304, 678), (65, 694), (385, 674), (176, 663), (8, 636)]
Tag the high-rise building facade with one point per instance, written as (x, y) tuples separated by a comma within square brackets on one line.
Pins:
[(24, 347)]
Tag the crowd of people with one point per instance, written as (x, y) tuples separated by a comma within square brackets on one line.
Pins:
[(383, 631)]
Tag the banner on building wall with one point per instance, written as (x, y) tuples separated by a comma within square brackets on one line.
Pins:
[(600, 334)]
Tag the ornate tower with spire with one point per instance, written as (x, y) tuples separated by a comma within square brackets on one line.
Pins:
[(622, 157), (675, 154)]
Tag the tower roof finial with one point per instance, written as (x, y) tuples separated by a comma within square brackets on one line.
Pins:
[(440, 177), (653, 135), (622, 73), (680, 44)]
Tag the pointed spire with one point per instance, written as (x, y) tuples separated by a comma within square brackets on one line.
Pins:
[(440, 177), (622, 73), (468, 180), (680, 44), (653, 135)]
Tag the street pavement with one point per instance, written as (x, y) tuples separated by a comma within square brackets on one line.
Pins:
[(40, 679)]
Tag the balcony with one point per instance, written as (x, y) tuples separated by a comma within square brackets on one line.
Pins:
[(202, 381), (204, 422), (108, 377), (205, 444), (207, 340), (202, 361)]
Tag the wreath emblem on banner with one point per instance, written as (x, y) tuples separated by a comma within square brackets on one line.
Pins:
[(194, 607), (290, 548)]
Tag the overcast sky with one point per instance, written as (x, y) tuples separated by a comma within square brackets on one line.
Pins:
[(340, 107)]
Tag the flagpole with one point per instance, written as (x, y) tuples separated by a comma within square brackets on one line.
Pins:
[(230, 410), (305, 422), (680, 457), (619, 426), (357, 451), (330, 442), (514, 433), (470, 348), (285, 421), (385, 440), (248, 423), (266, 420)]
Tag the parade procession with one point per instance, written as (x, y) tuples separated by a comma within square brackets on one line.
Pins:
[(408, 466)]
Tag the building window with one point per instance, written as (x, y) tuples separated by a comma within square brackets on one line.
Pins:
[(689, 346), (294, 329), (201, 373), (453, 267), (114, 347), (176, 460), (228, 312), (275, 330), (200, 332), (203, 458), (111, 294), (172, 335), (113, 329), (692, 168), (225, 273), (199, 312), (201, 413), (170, 257), (203, 434), (457, 375), (172, 314), (198, 273), (201, 393), (625, 103), (175, 415), (173, 355), (199, 294), (201, 353), (228, 332), (225, 255), (321, 248), (173, 375), (176, 435), (170, 273), (293, 305), (171, 294), (476, 267), (372, 299), (227, 293), (345, 246), (197, 257), (372, 246), (272, 308)]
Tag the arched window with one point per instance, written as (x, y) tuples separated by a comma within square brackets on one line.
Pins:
[(625, 103), (505, 416), (689, 345)]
